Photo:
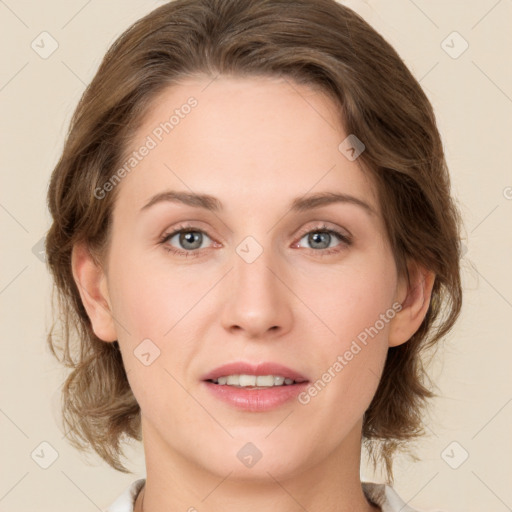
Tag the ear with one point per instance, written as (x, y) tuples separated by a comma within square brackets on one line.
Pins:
[(92, 285), (414, 296)]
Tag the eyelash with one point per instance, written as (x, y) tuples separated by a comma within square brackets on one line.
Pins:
[(345, 239)]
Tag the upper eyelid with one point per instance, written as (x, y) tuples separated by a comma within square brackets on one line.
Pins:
[(326, 227)]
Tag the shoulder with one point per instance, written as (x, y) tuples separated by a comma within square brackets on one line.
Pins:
[(386, 498), (125, 502), (381, 495)]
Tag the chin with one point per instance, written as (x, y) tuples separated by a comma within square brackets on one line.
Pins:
[(256, 458)]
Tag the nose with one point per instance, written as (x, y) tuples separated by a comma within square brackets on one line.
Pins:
[(258, 298)]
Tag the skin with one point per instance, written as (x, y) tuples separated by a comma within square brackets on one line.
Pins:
[(256, 144)]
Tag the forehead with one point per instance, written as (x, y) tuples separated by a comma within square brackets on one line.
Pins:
[(246, 140)]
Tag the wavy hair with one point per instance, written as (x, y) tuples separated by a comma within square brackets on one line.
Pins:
[(319, 43)]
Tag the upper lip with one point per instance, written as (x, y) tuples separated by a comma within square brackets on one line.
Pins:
[(243, 368)]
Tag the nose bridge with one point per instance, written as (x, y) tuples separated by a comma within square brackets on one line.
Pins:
[(257, 299)]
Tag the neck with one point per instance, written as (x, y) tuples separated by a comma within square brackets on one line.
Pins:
[(175, 483)]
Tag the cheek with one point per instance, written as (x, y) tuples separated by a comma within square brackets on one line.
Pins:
[(153, 309), (356, 306), (351, 299), (147, 299), (148, 307), (357, 346)]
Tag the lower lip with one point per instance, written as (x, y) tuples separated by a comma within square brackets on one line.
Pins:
[(256, 400)]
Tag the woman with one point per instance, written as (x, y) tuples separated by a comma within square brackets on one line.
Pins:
[(254, 240)]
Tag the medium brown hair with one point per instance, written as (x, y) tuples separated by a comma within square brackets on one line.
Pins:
[(319, 43)]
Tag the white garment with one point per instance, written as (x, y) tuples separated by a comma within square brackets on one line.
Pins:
[(381, 495)]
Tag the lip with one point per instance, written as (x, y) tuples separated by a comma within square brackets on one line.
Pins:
[(251, 399), (265, 368), (255, 400)]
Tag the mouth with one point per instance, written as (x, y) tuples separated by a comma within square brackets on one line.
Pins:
[(255, 388), (247, 375), (254, 381)]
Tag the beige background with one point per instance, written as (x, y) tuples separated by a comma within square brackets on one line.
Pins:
[(472, 98)]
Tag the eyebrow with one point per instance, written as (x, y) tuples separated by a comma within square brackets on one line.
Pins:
[(299, 204)]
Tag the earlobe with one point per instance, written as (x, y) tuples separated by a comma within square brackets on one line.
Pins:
[(415, 300), (92, 285)]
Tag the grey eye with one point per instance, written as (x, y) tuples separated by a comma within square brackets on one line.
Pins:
[(188, 239)]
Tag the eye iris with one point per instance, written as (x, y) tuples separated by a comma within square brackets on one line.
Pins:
[(190, 237), (315, 238)]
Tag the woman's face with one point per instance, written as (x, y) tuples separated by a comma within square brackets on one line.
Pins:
[(258, 277)]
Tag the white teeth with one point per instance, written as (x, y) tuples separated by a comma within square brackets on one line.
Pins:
[(262, 380), (233, 380), (253, 380), (247, 380)]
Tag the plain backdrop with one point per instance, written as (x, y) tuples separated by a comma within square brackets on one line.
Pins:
[(465, 461)]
